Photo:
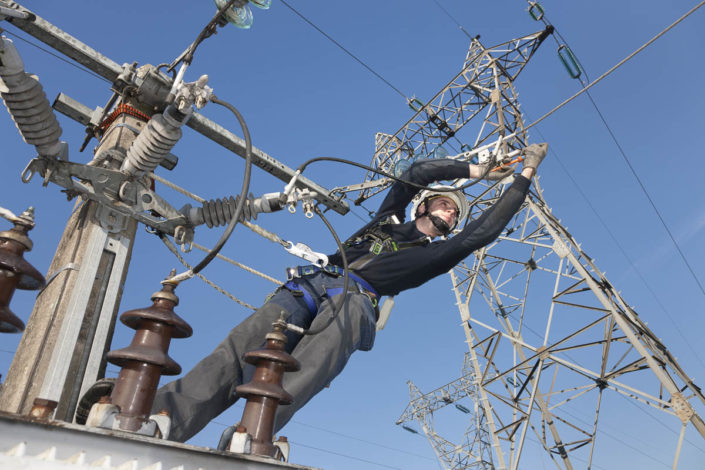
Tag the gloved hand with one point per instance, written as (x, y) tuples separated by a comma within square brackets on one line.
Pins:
[(534, 154), (496, 175)]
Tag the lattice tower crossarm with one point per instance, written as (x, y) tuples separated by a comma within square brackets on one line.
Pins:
[(474, 451), (548, 331), (485, 80)]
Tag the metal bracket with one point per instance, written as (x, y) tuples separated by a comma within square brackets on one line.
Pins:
[(361, 186), (110, 220), (681, 407), (113, 189)]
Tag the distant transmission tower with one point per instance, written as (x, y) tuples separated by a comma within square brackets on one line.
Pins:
[(548, 334), (474, 452)]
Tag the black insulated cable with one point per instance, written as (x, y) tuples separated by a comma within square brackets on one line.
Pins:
[(346, 277), (303, 166), (341, 250), (187, 56), (243, 192)]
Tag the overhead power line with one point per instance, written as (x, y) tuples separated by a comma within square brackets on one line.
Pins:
[(361, 440), (585, 88), (345, 50), (347, 437), (584, 83), (619, 64), (346, 456), (452, 18), (648, 196), (626, 256)]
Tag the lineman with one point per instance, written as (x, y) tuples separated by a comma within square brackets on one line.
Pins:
[(384, 259)]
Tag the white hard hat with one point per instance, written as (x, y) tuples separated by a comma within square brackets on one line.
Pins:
[(456, 196)]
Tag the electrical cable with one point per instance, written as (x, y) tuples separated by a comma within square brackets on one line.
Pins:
[(624, 253), (336, 433), (241, 266), (663, 425), (453, 19), (622, 151), (187, 56), (612, 436), (370, 69), (359, 440), (243, 192), (346, 277), (615, 67), (649, 198), (303, 166), (345, 50), (628, 162), (346, 456), (162, 236)]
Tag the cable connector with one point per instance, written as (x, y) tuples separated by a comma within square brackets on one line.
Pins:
[(196, 94), (289, 188)]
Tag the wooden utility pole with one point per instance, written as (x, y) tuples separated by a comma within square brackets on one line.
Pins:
[(63, 348), (69, 331)]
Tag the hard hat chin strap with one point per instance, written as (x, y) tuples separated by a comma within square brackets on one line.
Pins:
[(440, 224)]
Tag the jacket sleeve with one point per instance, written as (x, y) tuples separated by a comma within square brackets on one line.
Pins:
[(423, 172), (483, 230)]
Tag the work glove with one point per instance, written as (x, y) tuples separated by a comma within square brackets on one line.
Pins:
[(498, 174), (534, 154)]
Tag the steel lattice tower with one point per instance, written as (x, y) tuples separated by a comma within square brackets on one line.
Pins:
[(546, 330), (474, 451), (485, 84)]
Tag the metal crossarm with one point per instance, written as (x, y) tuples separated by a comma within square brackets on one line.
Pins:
[(110, 70), (484, 81)]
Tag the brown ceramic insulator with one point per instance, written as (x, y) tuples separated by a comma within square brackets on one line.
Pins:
[(264, 393), (9, 322), (146, 358), (15, 271)]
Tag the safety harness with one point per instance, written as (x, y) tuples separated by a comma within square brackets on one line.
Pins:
[(294, 284), (382, 242)]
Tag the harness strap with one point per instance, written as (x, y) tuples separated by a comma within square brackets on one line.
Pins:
[(301, 271), (308, 298)]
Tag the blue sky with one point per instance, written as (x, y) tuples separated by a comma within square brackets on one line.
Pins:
[(303, 97)]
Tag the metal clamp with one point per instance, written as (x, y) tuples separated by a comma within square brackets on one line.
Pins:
[(307, 198), (115, 190), (305, 252)]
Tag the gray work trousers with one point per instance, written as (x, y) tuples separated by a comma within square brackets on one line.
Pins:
[(209, 388)]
